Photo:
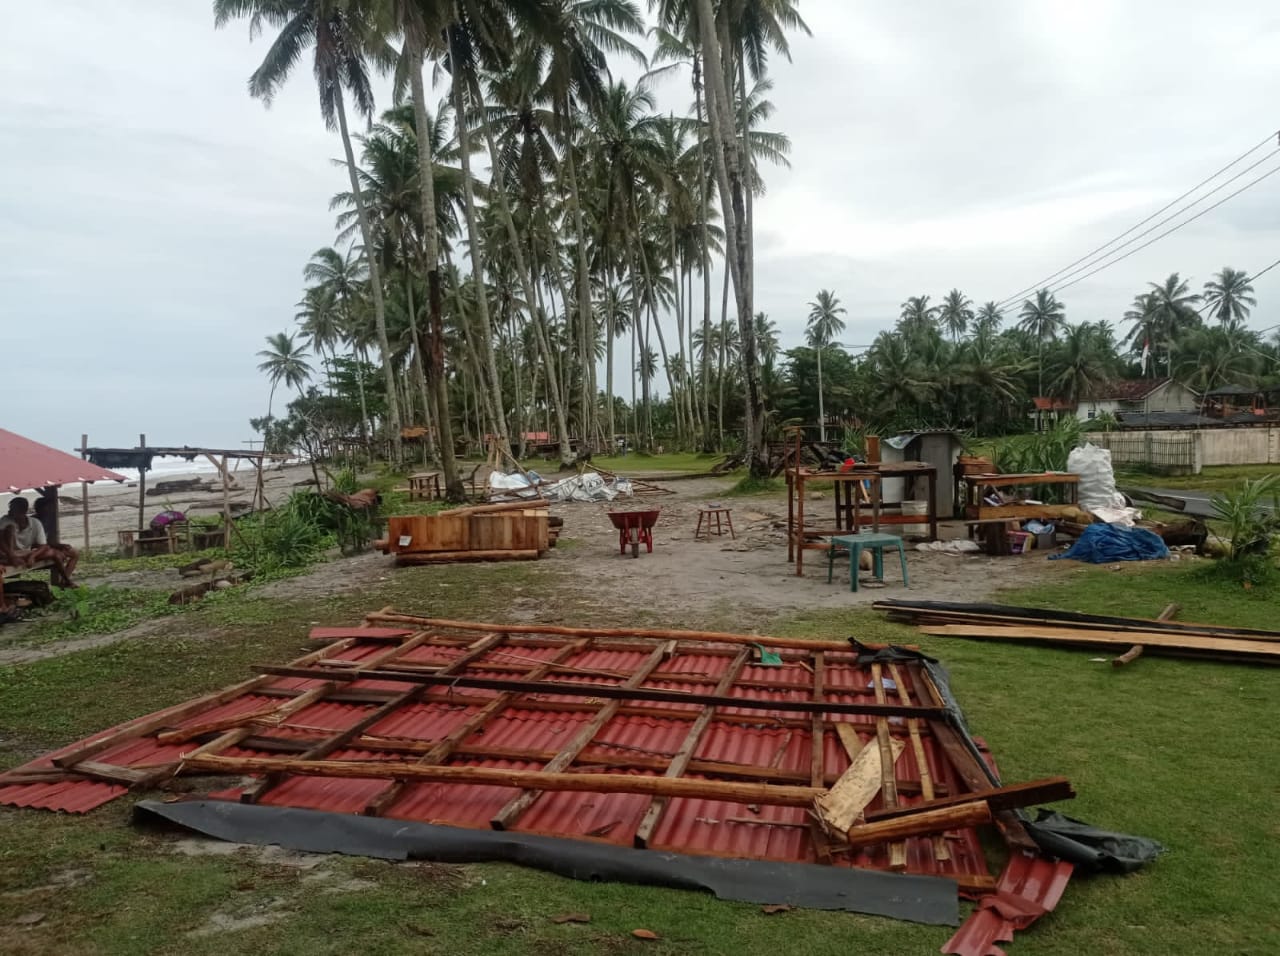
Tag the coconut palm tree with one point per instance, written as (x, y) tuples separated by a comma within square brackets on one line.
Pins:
[(343, 37), (284, 360), (733, 184), (918, 318), (345, 276), (823, 326), (320, 318), (575, 44), (1229, 297), (988, 319), (1083, 363), (1041, 318), (956, 313), (1170, 313)]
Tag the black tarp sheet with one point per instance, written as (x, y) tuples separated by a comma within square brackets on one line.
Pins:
[(918, 899)]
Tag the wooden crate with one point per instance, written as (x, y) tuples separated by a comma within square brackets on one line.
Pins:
[(525, 530)]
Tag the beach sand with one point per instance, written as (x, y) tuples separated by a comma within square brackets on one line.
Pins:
[(114, 507)]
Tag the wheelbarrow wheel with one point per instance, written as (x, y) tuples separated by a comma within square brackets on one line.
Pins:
[(635, 549)]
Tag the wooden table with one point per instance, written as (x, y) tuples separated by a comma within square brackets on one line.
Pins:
[(977, 510), (424, 485), (853, 509)]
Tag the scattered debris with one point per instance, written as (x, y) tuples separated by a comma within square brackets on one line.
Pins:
[(572, 918), (771, 909), (645, 934), (1037, 625)]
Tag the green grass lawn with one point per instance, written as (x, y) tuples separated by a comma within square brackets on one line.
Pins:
[(635, 463), (1182, 751), (1218, 478)]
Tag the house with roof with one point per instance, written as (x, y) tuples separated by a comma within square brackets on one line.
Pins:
[(1240, 403), (1138, 397)]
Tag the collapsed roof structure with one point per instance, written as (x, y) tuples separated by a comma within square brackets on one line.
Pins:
[(817, 773)]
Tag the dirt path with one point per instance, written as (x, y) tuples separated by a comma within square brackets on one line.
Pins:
[(685, 582), (685, 578)]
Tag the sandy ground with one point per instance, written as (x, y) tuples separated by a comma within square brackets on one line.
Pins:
[(114, 507), (684, 583), (749, 575)]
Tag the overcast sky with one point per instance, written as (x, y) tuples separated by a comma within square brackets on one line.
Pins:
[(154, 219)]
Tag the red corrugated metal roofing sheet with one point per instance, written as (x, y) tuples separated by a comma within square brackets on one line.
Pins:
[(757, 739), (1029, 887), (27, 464)]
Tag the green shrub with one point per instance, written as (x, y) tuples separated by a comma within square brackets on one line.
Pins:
[(1247, 528)]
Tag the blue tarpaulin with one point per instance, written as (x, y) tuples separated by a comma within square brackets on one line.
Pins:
[(1102, 543)]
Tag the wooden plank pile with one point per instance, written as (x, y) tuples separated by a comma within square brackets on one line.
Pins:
[(1134, 636), (504, 531)]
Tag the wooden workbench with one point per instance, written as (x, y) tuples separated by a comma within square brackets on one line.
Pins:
[(976, 510), (858, 503)]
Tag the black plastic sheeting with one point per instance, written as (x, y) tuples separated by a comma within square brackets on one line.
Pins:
[(1088, 848), (918, 899)]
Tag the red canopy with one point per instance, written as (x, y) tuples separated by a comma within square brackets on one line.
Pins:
[(27, 464)]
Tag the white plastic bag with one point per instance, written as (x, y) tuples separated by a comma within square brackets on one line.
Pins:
[(1098, 493)]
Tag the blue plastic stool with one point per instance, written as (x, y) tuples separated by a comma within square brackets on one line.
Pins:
[(875, 542)]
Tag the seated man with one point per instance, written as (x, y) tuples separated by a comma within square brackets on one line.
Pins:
[(23, 544)]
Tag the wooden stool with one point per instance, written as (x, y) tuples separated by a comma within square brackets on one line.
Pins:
[(714, 513), (873, 542)]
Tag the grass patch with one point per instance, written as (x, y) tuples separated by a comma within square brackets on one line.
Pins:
[(1149, 748), (89, 609), (1216, 478), (748, 486), (103, 562)]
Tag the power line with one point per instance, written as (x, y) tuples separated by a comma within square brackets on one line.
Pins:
[(1154, 239), (1060, 283), (1090, 255)]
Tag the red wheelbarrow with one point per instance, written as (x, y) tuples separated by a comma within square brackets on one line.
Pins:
[(633, 528)]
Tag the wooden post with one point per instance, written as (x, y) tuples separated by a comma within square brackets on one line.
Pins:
[(142, 489), (799, 522), (933, 504), (226, 506), (84, 493)]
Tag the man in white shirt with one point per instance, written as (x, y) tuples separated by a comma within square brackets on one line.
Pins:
[(23, 544)]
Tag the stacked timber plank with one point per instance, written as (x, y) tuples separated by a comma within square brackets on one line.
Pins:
[(1038, 625), (511, 531)]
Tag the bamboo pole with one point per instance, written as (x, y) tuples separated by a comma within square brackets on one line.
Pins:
[(734, 791)]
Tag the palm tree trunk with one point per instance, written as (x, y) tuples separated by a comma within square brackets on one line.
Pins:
[(418, 370), (485, 347), (724, 353), (744, 117), (608, 382), (729, 176), (706, 262), (454, 489), (822, 412), (586, 330), (539, 320), (635, 329), (375, 280)]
